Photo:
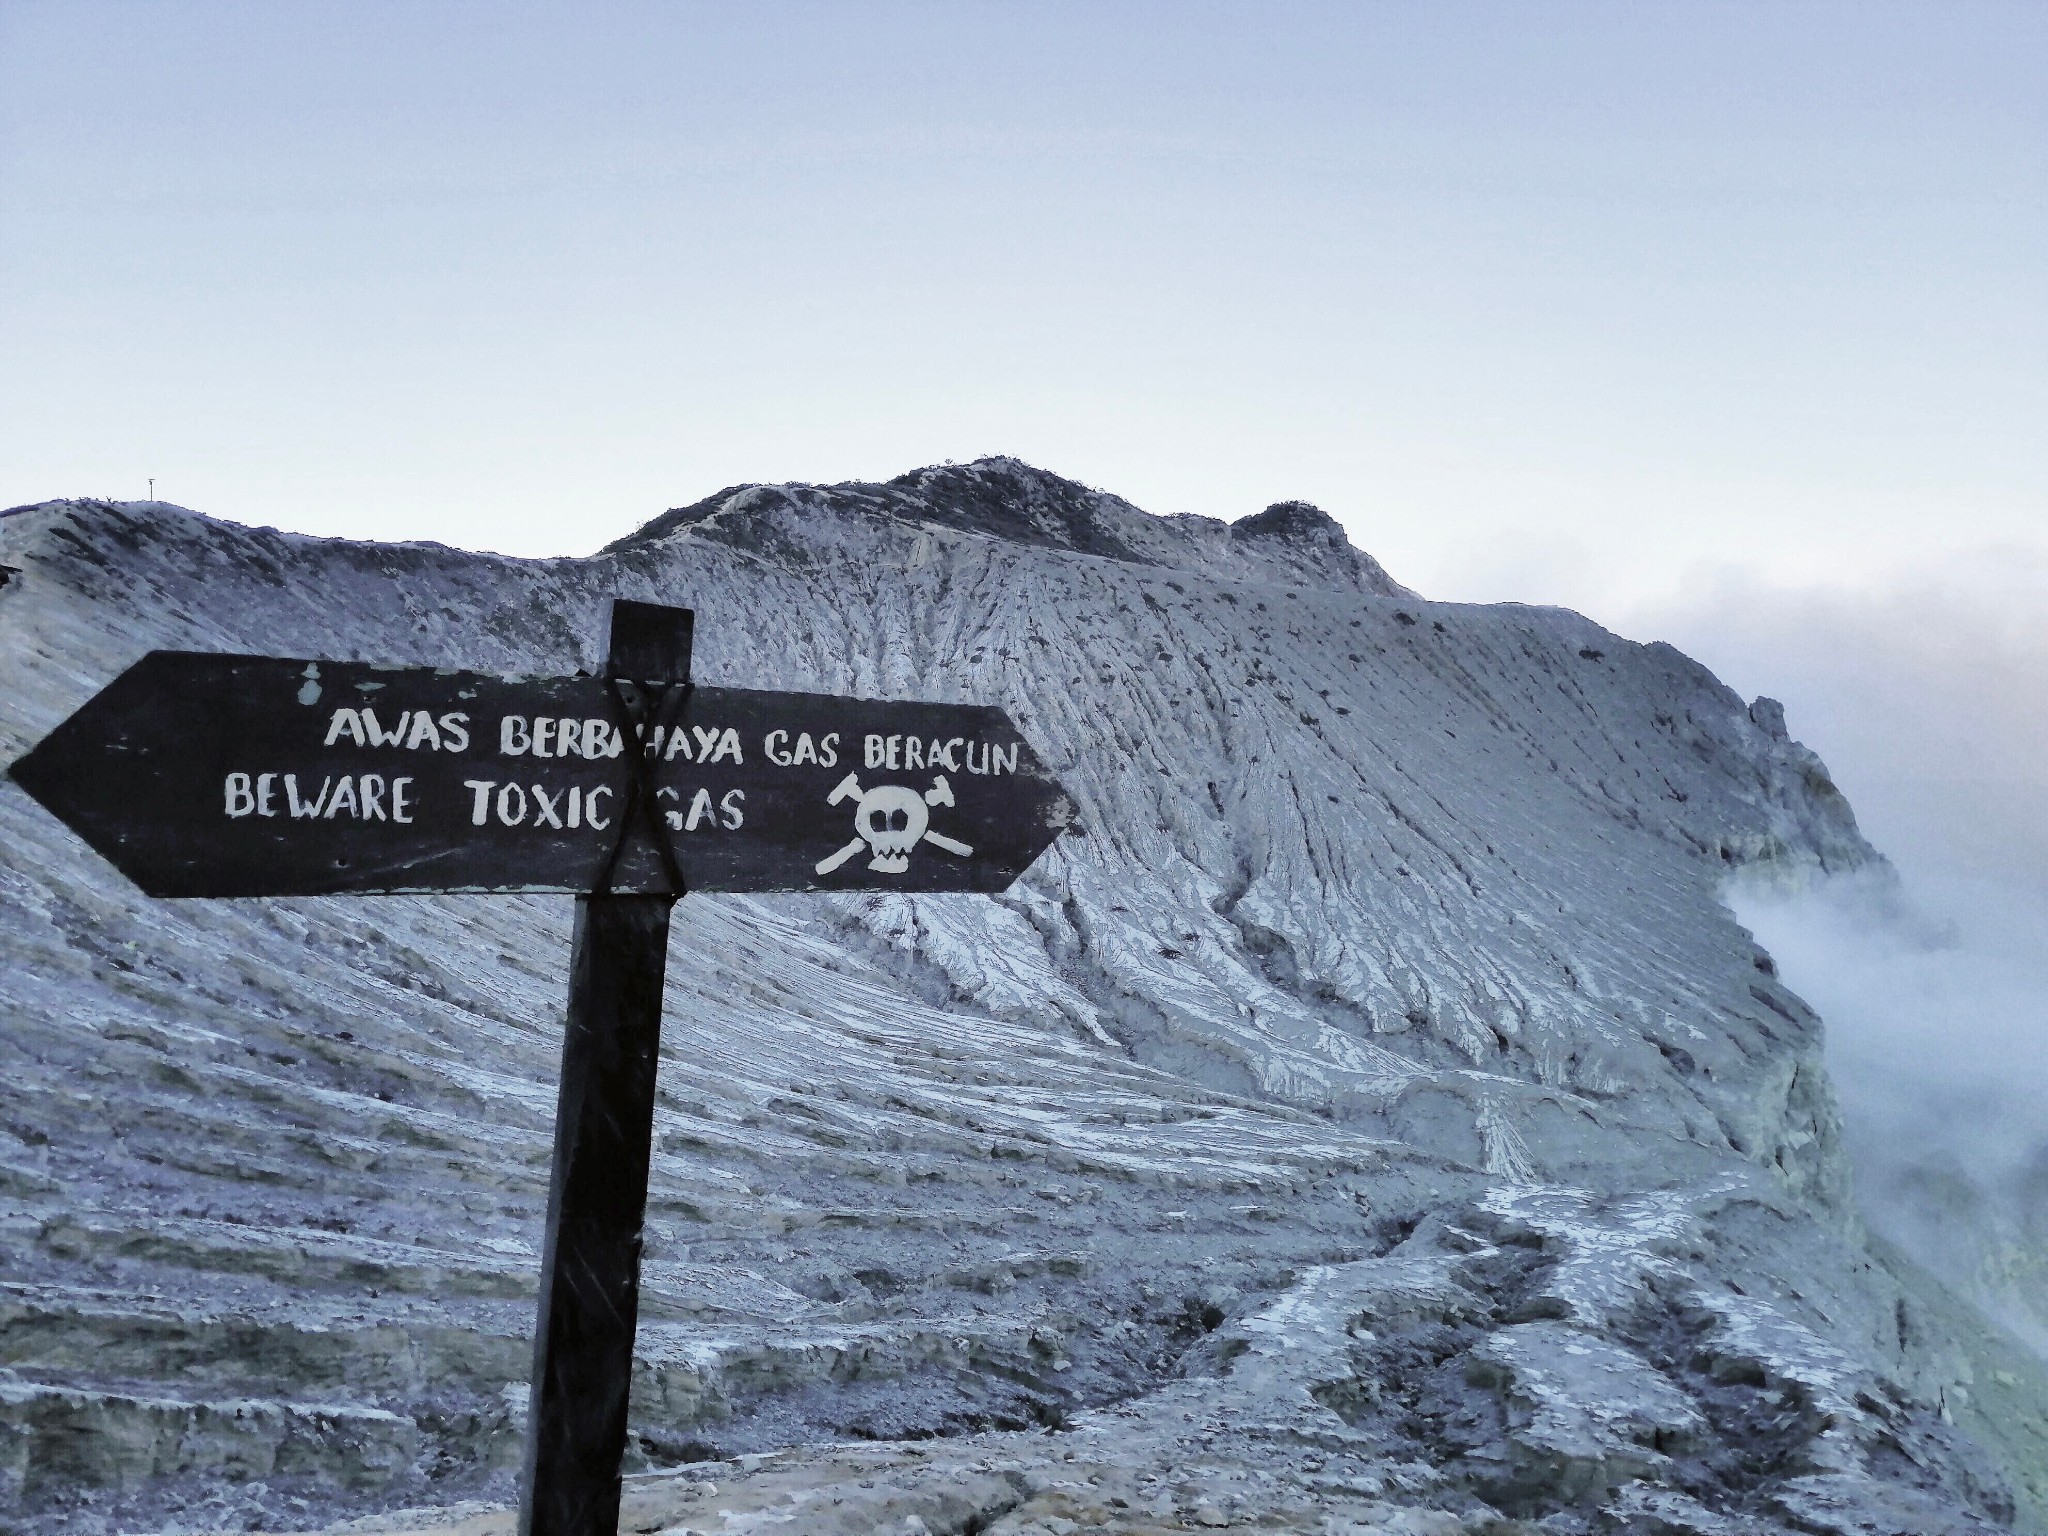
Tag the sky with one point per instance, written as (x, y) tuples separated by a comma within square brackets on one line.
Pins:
[(1565, 293), (1723, 323)]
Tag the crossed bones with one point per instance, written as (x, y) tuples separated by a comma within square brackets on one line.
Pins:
[(891, 845)]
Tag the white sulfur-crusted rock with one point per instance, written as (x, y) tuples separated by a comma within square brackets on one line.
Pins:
[(1369, 1117)]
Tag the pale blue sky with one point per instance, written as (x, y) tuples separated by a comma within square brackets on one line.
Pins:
[(1543, 300)]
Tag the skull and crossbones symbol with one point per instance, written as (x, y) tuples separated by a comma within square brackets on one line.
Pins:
[(891, 820)]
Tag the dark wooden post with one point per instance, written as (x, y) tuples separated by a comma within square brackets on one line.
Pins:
[(604, 1125)]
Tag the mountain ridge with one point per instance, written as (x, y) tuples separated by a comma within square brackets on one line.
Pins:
[(1007, 499), (1387, 988)]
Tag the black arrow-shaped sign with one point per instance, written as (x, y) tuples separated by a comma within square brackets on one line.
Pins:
[(202, 775), (209, 775)]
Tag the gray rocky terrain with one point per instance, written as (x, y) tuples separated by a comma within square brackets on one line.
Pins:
[(1368, 1118)]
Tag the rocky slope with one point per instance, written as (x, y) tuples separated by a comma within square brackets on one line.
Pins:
[(1370, 1113)]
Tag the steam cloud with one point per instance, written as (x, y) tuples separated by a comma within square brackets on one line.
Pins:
[(1930, 704)]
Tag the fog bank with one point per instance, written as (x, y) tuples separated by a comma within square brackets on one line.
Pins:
[(1929, 700)]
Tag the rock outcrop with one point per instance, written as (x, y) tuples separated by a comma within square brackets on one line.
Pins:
[(1369, 1111)]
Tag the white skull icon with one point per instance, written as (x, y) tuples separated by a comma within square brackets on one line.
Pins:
[(891, 821)]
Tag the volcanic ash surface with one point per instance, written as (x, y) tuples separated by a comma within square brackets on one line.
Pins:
[(1368, 1117)]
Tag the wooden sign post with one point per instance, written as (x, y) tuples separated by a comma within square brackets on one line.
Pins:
[(604, 1132), (205, 775)]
